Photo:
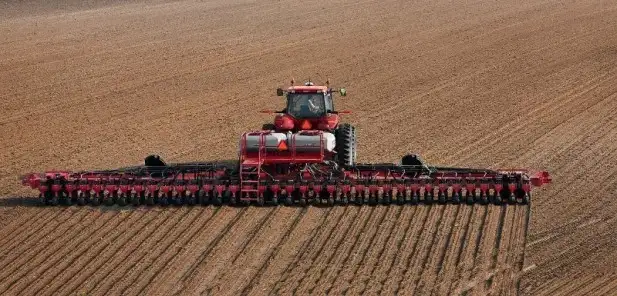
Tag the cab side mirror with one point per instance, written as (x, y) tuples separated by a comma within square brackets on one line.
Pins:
[(343, 92), (279, 92)]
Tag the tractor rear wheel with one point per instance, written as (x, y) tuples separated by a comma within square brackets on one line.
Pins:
[(345, 145)]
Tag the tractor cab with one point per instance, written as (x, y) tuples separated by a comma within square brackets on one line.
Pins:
[(308, 107), (302, 105)]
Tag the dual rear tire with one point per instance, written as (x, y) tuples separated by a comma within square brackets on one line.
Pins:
[(345, 145)]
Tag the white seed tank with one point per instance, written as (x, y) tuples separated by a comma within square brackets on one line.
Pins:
[(303, 141)]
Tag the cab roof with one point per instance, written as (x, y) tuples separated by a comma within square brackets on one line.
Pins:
[(307, 89)]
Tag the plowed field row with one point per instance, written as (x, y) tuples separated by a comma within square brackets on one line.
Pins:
[(228, 251)]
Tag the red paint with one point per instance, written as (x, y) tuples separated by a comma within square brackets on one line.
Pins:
[(284, 122), (192, 188)]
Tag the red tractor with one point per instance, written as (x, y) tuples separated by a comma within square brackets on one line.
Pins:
[(306, 156), (308, 130)]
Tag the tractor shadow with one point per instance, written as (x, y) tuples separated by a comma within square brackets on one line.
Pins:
[(33, 202), (19, 201)]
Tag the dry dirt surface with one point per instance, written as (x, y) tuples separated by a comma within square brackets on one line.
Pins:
[(495, 84)]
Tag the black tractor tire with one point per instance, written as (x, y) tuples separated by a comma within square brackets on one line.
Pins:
[(345, 145)]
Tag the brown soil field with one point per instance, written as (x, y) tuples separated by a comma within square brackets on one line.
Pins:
[(496, 84)]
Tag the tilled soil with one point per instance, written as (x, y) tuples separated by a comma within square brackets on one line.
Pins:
[(497, 84)]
